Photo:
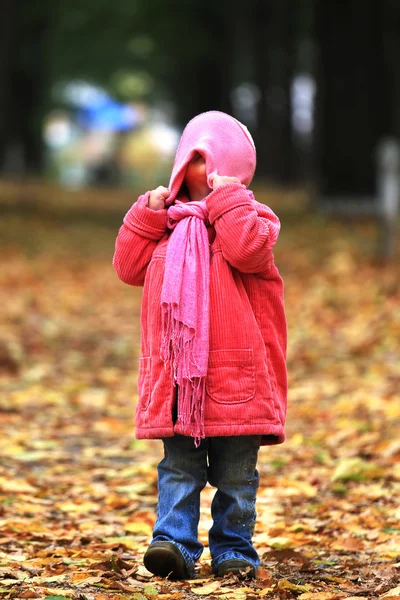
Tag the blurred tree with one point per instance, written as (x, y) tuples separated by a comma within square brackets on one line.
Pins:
[(24, 28), (206, 48), (193, 55), (193, 50), (273, 37), (181, 46), (7, 30), (94, 41), (358, 91), (178, 52)]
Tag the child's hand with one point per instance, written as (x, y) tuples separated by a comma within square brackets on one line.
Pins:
[(158, 197), (217, 180)]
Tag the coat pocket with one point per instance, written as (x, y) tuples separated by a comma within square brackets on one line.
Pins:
[(144, 382), (231, 377)]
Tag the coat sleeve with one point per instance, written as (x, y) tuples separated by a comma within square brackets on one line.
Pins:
[(247, 230), (137, 239)]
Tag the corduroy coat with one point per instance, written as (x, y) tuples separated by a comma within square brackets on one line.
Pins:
[(246, 385)]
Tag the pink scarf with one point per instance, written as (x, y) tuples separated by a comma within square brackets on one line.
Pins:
[(185, 309)]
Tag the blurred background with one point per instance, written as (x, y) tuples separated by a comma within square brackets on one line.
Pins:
[(93, 94), (93, 98)]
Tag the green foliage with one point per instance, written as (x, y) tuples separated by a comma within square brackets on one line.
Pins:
[(126, 47)]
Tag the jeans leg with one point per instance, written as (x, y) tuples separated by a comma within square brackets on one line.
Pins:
[(232, 470), (182, 474)]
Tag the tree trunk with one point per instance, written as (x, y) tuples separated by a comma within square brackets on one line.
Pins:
[(353, 96), (274, 58), (24, 85), (205, 83), (7, 37)]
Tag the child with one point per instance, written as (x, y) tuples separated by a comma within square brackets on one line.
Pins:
[(212, 375)]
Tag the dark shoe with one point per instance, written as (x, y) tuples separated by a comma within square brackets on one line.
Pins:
[(165, 559), (241, 568)]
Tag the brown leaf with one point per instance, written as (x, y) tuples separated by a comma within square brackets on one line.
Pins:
[(114, 563), (286, 555)]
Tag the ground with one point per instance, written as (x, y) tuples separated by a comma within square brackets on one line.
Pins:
[(78, 492)]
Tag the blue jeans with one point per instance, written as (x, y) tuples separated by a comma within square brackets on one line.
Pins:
[(229, 464)]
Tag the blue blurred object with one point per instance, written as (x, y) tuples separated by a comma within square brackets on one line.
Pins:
[(108, 115), (96, 110)]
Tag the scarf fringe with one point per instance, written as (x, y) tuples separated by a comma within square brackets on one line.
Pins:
[(177, 351), (185, 311), (191, 406)]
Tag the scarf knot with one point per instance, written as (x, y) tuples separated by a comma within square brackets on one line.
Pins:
[(185, 310), (181, 210)]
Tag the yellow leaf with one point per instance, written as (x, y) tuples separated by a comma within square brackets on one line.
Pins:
[(51, 579), (12, 557), (393, 592), (128, 541), (205, 590), (291, 487), (281, 543), (59, 591), (288, 586), (139, 527), (355, 469), (93, 398), (265, 591), (320, 596), (88, 581), (16, 486), (135, 488), (84, 579), (355, 597), (72, 507), (9, 582)]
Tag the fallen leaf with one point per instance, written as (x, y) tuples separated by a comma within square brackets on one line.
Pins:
[(288, 586), (391, 593), (355, 469), (322, 596), (281, 543), (81, 579), (351, 544), (208, 589), (16, 486), (286, 554), (139, 527), (76, 486)]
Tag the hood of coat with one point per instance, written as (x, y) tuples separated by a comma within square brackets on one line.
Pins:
[(224, 142)]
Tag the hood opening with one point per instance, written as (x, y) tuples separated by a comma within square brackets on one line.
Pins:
[(178, 186), (225, 144)]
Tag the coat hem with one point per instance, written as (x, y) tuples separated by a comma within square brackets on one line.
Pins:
[(271, 434)]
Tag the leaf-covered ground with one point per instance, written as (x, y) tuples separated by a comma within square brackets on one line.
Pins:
[(78, 493)]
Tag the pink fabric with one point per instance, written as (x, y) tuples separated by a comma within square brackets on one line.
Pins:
[(245, 334), (225, 144), (246, 384), (185, 309), (228, 150)]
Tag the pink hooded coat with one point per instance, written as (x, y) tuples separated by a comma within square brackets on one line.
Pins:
[(246, 385)]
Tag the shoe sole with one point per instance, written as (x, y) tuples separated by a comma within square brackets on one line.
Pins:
[(165, 562), (241, 571)]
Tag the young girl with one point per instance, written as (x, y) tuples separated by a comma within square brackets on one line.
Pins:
[(212, 375)]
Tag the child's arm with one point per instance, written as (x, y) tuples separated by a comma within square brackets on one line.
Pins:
[(144, 226), (247, 230)]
